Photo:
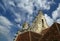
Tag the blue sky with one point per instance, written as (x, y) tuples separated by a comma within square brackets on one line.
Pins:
[(13, 13)]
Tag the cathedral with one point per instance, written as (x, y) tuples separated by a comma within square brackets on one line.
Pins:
[(38, 31)]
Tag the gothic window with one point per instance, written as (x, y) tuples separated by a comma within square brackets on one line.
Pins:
[(42, 23)]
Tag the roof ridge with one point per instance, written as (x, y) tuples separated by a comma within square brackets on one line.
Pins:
[(57, 28)]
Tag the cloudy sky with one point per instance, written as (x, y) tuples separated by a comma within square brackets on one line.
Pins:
[(13, 13)]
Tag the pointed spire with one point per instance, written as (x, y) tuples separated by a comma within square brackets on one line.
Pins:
[(40, 13)]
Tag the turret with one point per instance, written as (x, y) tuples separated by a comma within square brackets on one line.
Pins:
[(25, 26)]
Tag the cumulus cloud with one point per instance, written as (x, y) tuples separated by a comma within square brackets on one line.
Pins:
[(28, 5), (55, 17), (11, 3), (58, 21), (4, 21), (4, 29), (18, 17), (56, 14), (49, 20), (5, 26), (19, 6)]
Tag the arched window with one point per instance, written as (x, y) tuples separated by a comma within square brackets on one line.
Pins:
[(42, 23)]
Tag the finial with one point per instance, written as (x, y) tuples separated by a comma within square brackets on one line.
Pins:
[(40, 12), (25, 25)]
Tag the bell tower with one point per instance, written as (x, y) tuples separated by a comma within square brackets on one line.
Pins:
[(39, 23)]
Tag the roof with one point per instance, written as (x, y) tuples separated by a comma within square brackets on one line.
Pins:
[(55, 25), (44, 31), (28, 36), (51, 33)]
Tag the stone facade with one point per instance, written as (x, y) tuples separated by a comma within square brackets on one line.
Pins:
[(39, 23)]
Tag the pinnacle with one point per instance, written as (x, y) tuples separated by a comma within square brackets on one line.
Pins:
[(40, 13)]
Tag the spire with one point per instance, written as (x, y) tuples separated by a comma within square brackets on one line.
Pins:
[(39, 23), (40, 12)]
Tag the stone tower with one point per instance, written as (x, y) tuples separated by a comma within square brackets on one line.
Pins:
[(39, 23)]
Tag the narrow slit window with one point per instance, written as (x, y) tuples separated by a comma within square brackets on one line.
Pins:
[(42, 23)]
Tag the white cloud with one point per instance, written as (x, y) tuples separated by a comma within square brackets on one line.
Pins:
[(19, 26), (56, 13), (28, 5), (5, 26), (43, 4), (4, 21), (58, 21), (49, 20), (4, 30), (29, 18), (11, 3), (18, 17)]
